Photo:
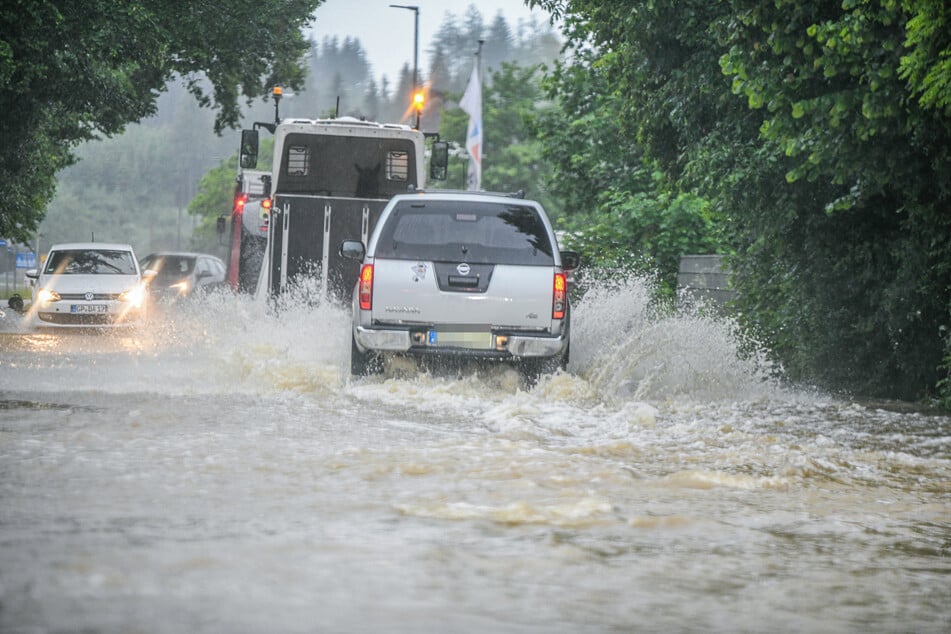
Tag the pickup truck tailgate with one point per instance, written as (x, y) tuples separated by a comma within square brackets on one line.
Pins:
[(516, 297)]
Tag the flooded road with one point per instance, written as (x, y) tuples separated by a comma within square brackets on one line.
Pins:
[(222, 473)]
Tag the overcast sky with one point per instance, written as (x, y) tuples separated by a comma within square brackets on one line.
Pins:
[(387, 33)]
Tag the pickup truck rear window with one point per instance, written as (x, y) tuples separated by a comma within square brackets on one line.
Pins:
[(456, 231)]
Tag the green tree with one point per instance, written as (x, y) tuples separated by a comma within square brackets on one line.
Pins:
[(453, 46), (150, 172), (499, 43), (867, 171), (215, 195), (335, 70), (820, 134), (926, 63), (621, 210), (72, 70)]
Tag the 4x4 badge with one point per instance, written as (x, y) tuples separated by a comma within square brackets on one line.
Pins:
[(463, 269)]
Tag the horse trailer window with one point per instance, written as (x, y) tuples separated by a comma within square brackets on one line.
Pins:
[(298, 160), (397, 166)]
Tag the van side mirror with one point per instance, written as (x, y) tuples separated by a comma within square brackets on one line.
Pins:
[(570, 260), (249, 149), (439, 160)]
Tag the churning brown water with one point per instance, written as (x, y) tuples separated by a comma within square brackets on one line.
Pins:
[(222, 473)]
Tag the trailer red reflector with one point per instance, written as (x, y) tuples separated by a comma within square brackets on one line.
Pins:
[(366, 287)]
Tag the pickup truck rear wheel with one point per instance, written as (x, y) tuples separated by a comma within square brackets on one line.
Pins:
[(533, 368), (363, 363)]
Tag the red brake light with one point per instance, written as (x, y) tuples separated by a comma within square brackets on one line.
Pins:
[(239, 202), (559, 299), (366, 287)]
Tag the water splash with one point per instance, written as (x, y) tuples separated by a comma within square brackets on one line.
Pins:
[(622, 351), (628, 350)]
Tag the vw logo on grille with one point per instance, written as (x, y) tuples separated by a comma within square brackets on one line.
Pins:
[(463, 269), (89, 297)]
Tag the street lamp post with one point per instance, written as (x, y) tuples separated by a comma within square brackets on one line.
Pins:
[(415, 10)]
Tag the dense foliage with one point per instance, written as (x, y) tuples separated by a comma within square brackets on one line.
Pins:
[(620, 209), (820, 135), (72, 70)]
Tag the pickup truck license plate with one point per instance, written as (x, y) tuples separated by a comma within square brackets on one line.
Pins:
[(473, 340)]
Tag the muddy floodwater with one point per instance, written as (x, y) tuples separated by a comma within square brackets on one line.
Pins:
[(221, 472)]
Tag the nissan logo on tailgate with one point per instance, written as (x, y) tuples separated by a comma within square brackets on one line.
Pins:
[(463, 269)]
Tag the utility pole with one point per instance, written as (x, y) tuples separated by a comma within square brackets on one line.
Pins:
[(413, 99)]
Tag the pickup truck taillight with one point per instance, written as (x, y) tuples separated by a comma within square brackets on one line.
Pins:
[(559, 297), (365, 291)]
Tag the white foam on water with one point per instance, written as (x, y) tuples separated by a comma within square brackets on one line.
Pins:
[(628, 351)]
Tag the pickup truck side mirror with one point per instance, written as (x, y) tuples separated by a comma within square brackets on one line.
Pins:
[(570, 260), (352, 250)]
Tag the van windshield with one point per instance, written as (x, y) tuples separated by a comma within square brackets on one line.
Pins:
[(457, 231)]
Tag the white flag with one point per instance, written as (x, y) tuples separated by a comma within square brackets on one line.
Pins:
[(471, 104)]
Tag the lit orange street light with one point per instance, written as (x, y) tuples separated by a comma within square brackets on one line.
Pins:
[(417, 94)]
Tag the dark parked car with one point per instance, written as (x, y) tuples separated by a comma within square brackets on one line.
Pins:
[(182, 275)]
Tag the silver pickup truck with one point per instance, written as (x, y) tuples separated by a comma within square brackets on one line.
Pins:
[(462, 275)]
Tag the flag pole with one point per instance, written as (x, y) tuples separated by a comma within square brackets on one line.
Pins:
[(479, 59), (481, 133), (471, 104)]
